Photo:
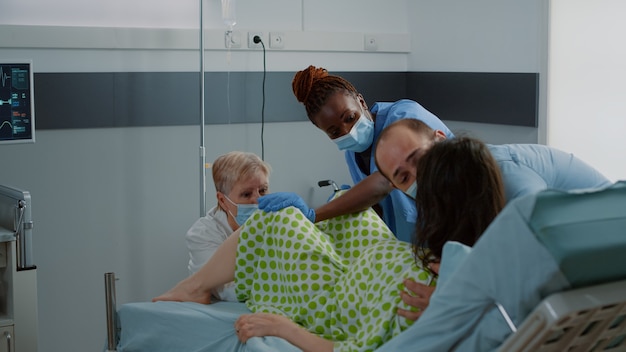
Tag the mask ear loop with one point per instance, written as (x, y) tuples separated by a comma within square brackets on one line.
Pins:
[(230, 212), (363, 104), (222, 203)]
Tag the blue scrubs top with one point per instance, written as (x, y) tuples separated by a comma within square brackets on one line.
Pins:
[(399, 212), (530, 168)]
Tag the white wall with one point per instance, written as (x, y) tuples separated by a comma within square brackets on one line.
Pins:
[(587, 105), (121, 199), (481, 36)]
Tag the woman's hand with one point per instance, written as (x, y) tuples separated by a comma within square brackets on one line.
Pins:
[(418, 296), (267, 324), (261, 324)]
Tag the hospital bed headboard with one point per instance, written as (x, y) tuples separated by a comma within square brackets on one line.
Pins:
[(16, 223), (584, 232)]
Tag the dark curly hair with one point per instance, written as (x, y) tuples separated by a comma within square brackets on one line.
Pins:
[(460, 191), (313, 85)]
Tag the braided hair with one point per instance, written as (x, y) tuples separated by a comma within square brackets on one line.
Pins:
[(313, 85)]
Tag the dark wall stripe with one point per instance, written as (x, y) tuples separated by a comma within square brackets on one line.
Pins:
[(127, 99), (499, 98)]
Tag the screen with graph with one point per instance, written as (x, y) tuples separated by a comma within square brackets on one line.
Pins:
[(17, 106)]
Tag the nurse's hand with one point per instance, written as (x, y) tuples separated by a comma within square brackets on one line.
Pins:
[(281, 200)]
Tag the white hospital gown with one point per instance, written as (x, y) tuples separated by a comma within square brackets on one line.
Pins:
[(203, 239), (339, 279)]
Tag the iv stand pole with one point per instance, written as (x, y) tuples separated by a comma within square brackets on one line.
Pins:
[(202, 151)]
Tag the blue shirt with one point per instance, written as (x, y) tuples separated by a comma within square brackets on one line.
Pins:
[(399, 212), (530, 168)]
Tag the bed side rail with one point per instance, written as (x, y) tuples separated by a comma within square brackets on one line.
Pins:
[(111, 311)]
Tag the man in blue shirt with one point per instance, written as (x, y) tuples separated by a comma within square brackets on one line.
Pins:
[(526, 168)]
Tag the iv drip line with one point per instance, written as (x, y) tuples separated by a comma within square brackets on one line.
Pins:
[(228, 95), (228, 63), (230, 19), (202, 150)]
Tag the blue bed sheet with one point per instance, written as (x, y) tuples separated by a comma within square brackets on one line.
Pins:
[(186, 326)]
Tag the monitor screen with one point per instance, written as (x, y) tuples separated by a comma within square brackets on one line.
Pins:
[(17, 107)]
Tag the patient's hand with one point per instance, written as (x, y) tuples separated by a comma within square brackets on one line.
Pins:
[(261, 324), (266, 324), (418, 296)]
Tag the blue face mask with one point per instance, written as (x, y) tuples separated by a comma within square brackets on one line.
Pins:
[(359, 138), (243, 211), (412, 190)]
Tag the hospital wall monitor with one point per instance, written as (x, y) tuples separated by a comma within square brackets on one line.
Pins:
[(17, 107)]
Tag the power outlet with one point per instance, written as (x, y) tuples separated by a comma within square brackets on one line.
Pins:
[(232, 39), (251, 43), (277, 40), (371, 42)]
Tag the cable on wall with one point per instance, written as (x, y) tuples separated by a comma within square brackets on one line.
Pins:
[(258, 40)]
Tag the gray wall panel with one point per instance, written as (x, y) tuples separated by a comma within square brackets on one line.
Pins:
[(128, 99), (73, 100), (498, 98), (155, 99)]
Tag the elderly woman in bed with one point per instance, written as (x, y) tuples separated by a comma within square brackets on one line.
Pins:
[(336, 284), (240, 178)]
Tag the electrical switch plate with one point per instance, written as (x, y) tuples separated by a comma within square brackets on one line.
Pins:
[(277, 40), (251, 43), (232, 39), (371, 42)]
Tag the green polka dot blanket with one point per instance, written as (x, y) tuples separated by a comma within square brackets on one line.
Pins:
[(340, 278)]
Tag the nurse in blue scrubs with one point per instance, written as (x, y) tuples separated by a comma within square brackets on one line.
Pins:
[(335, 106)]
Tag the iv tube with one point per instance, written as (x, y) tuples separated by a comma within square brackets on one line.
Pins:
[(229, 13), (230, 19)]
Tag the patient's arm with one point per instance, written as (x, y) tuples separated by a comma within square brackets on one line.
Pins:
[(266, 324), (220, 269), (361, 196)]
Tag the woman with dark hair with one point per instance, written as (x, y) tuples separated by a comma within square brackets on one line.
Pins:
[(460, 192), (335, 285)]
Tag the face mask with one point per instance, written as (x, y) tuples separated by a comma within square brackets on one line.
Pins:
[(243, 211), (412, 191), (360, 137)]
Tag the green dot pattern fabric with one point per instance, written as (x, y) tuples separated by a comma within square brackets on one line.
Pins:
[(340, 278)]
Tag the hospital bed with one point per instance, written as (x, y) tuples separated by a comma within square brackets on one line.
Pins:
[(549, 274)]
